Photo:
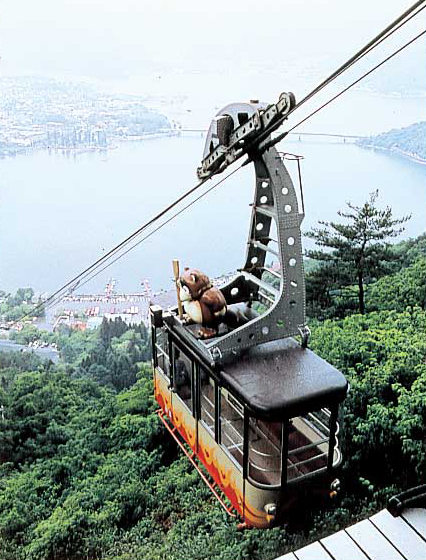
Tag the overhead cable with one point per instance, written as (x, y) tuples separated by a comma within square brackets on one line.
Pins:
[(399, 22), (90, 272), (278, 138), (175, 215)]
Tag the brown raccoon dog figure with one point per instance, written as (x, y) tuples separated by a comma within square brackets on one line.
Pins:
[(205, 304)]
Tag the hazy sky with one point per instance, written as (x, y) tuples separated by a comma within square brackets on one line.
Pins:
[(116, 38)]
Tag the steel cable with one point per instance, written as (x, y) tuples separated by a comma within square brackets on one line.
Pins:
[(284, 134), (371, 45), (88, 275)]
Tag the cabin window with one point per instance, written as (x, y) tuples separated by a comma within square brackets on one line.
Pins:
[(231, 426), (264, 456), (308, 443), (182, 377), (162, 350), (207, 400)]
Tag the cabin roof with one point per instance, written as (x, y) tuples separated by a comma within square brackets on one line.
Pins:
[(282, 378)]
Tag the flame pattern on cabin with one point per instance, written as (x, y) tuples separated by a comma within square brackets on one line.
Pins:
[(219, 466)]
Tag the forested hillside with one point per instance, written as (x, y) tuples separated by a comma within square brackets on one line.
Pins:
[(14, 306), (410, 141), (87, 471)]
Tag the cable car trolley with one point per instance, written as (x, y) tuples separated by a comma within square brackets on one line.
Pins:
[(233, 374)]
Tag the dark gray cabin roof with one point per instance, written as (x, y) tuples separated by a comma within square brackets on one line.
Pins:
[(282, 378)]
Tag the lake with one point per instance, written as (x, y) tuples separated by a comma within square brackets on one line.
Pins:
[(60, 213)]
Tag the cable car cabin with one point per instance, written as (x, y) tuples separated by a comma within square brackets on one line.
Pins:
[(257, 407), (265, 426)]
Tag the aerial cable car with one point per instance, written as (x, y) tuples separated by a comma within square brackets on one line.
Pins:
[(234, 377)]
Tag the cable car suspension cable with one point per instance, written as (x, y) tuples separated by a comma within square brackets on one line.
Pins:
[(77, 280), (284, 134), (380, 38), (175, 215)]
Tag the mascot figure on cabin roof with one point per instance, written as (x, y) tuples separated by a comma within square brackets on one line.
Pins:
[(205, 304)]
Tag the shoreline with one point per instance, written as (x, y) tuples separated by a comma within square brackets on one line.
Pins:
[(78, 150), (395, 151)]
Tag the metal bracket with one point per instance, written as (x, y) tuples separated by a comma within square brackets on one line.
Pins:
[(275, 202), (305, 334), (217, 157), (275, 213)]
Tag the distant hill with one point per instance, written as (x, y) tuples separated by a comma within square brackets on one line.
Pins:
[(409, 141)]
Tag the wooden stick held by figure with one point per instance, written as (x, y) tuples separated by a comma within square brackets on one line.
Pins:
[(176, 275)]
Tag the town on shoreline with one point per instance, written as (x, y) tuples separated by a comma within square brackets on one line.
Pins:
[(41, 113)]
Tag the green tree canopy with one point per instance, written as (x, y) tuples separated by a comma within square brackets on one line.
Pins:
[(406, 288)]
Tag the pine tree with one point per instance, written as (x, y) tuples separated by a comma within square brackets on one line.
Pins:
[(105, 332), (358, 251)]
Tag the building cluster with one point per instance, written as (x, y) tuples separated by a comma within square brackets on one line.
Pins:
[(44, 113), (74, 312)]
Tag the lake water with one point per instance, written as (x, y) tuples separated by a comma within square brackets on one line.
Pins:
[(58, 214)]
